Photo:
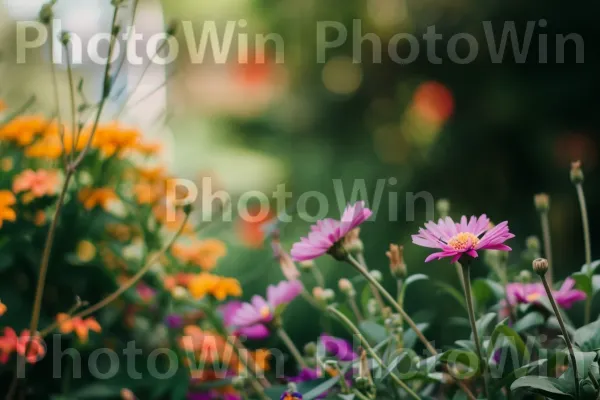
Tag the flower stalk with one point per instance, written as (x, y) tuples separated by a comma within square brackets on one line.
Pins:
[(289, 343), (356, 332), (466, 272), (540, 266), (352, 261), (542, 204)]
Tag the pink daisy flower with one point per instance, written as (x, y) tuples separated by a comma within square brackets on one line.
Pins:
[(527, 293), (327, 233), (252, 319), (456, 239)]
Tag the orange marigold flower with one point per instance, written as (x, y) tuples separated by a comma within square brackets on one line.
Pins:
[(80, 326), (146, 193), (112, 138), (39, 183), (93, 197), (30, 347), (148, 148), (23, 130), (7, 200), (154, 174), (166, 219), (217, 286), (210, 346), (3, 308), (203, 253)]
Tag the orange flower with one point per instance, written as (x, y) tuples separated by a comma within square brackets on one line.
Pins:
[(80, 326), (39, 183), (149, 148), (251, 231), (166, 219), (209, 346), (93, 197), (3, 308), (23, 130), (217, 286), (30, 347), (203, 253), (154, 174), (111, 139), (8, 344), (7, 200), (146, 193)]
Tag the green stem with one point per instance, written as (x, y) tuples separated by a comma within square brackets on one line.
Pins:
[(404, 315), (361, 259), (564, 332), (545, 222), (594, 380), (354, 307), (354, 330), (466, 272), (360, 395), (319, 279), (588, 245), (291, 347)]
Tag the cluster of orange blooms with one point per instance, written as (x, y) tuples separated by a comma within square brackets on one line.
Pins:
[(204, 348)]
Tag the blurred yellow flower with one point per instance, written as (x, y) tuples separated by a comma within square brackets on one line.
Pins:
[(217, 286), (149, 148), (24, 129), (111, 138), (202, 253), (152, 174), (3, 308), (7, 200), (80, 326), (146, 193), (86, 251), (93, 197), (6, 164)]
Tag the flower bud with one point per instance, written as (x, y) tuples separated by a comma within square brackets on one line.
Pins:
[(540, 266), (179, 292), (306, 265), (171, 28), (310, 349), (65, 38), (328, 295), (443, 207), (372, 307), (346, 287), (239, 382), (331, 367), (524, 276), (352, 242), (396, 257), (376, 275), (542, 202), (46, 13), (127, 394), (533, 243), (576, 172)]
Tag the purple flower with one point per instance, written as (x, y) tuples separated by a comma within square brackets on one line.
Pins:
[(327, 232), (305, 375), (527, 293), (174, 321), (458, 239), (339, 348), (251, 319)]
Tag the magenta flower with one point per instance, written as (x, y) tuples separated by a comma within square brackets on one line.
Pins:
[(527, 293), (252, 319), (458, 239), (339, 348), (328, 232)]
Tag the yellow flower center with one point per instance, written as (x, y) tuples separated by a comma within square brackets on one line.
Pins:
[(265, 312), (463, 241), (533, 297)]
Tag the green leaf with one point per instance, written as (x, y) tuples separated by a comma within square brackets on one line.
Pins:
[(465, 357), (97, 391), (583, 282), (453, 292), (529, 321), (553, 388), (373, 331), (588, 336), (313, 389), (512, 337), (484, 323), (518, 373), (594, 265), (485, 290), (410, 337), (410, 280)]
